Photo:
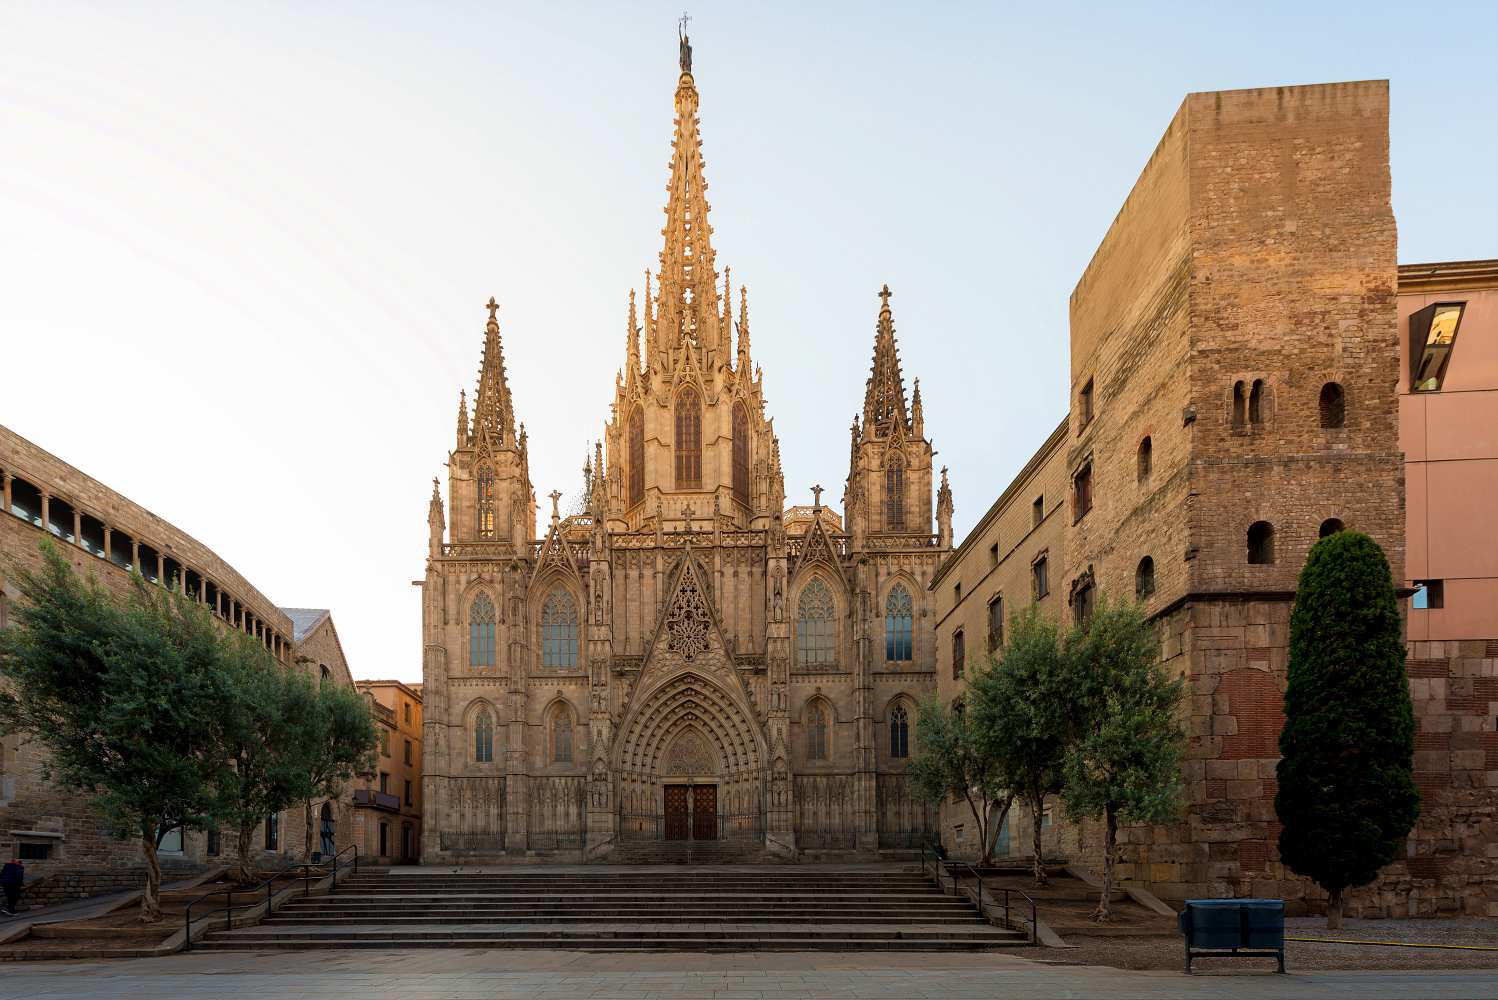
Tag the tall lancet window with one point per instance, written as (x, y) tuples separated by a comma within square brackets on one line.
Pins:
[(894, 494), (486, 502), (483, 737), (636, 456), (688, 440), (741, 454), (816, 625), (559, 630), (899, 625), (481, 632)]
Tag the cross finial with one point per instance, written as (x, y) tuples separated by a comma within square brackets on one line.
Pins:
[(556, 496), (683, 21), (884, 294), (493, 308), (816, 492), (687, 513)]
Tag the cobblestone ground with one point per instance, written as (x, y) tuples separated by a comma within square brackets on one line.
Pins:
[(552, 975)]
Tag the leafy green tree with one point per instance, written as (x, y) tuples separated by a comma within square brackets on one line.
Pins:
[(1019, 718), (262, 720), (1347, 797), (337, 738), (125, 695), (1124, 759), (949, 761)]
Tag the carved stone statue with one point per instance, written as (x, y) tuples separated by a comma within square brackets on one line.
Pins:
[(686, 52), (777, 603)]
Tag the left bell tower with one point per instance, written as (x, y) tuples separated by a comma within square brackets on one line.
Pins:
[(490, 497)]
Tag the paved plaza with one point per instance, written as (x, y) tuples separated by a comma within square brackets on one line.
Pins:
[(501, 975)]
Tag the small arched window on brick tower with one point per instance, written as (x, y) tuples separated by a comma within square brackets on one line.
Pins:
[(1256, 402), (1144, 578), (1146, 460), (1333, 405), (636, 456), (1240, 404), (741, 454), (894, 494), (1330, 526), (1260, 543), (688, 440)]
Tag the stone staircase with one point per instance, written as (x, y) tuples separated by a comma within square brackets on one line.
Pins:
[(687, 852), (727, 908)]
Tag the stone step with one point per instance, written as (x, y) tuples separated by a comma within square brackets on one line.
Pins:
[(619, 944), (546, 936), (365, 920)]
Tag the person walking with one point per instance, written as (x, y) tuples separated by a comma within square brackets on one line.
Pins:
[(11, 878)]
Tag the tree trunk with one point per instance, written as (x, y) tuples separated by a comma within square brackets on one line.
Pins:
[(307, 851), (1110, 840), (248, 870), (1334, 910), (988, 828), (1037, 806), (150, 899)]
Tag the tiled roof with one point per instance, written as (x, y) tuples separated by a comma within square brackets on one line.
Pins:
[(304, 620)]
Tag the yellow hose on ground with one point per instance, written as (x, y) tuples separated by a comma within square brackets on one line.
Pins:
[(1398, 944)]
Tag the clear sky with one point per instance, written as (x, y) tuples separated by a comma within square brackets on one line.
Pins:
[(244, 247)]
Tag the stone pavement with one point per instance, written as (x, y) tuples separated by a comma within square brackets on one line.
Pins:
[(553, 975)]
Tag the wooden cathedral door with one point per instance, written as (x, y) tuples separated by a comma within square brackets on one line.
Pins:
[(678, 826), (704, 812)]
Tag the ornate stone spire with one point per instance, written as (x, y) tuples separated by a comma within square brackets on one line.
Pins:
[(743, 360), (463, 428), (632, 346), (436, 522), (493, 415), (943, 512), (884, 397), (688, 297), (649, 322), (917, 416)]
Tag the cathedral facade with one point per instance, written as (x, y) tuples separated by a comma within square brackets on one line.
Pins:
[(688, 659)]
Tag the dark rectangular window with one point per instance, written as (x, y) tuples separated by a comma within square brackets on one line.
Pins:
[(26, 501), (959, 654), (995, 623), (31, 850), (1042, 585), (215, 843), (91, 534), (148, 563), (1082, 604), (273, 832), (60, 518), (408, 751), (993, 555), (385, 781), (1429, 594), (1082, 492), (1084, 404), (1038, 509), (409, 800), (1432, 337)]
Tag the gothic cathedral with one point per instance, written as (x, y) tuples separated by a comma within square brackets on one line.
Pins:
[(688, 659)]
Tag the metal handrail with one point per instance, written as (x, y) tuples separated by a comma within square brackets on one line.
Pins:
[(304, 867), (978, 897)]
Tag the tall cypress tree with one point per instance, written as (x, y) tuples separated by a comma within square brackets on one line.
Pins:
[(1347, 796)]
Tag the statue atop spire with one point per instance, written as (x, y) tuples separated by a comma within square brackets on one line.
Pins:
[(685, 43)]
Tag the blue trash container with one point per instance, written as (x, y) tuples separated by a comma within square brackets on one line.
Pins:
[(1248, 927)]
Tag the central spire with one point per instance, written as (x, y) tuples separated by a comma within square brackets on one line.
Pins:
[(884, 394), (493, 415), (687, 304)]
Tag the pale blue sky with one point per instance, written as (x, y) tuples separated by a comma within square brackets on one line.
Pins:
[(244, 247)]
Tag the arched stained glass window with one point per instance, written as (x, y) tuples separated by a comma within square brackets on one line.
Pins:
[(483, 737), (636, 456), (486, 502), (688, 440), (899, 623), (481, 632), (561, 736), (559, 630), (816, 625), (741, 454), (899, 732), (894, 495), (816, 733)]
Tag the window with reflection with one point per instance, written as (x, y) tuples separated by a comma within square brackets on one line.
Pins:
[(816, 625), (688, 440), (559, 630), (481, 632), (486, 502), (483, 737), (899, 625), (816, 733), (899, 733)]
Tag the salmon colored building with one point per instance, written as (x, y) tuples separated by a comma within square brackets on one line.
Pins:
[(1448, 431)]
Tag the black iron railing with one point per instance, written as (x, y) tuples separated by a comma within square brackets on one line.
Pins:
[(308, 872), (960, 870)]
